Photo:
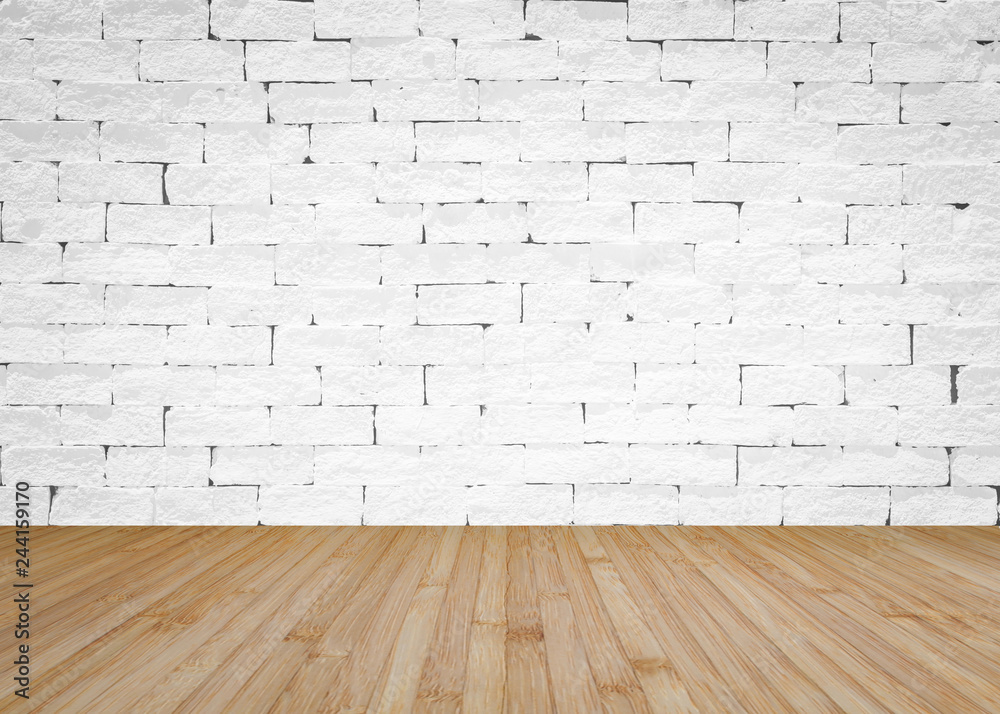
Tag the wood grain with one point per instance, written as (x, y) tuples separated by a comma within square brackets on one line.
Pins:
[(569, 620)]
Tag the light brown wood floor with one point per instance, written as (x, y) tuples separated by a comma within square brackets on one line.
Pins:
[(569, 620)]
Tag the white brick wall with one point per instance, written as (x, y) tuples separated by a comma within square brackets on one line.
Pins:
[(494, 261)]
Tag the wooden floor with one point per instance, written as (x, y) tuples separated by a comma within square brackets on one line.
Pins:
[(570, 620)]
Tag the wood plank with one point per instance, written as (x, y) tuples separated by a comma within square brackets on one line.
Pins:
[(527, 670), (513, 619), (486, 673)]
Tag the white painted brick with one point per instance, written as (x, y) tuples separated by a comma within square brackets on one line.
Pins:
[(576, 463), (262, 465), (163, 384), (199, 184), (589, 302), (314, 345), (294, 103), (191, 61), (507, 60), (218, 344), (819, 61), (472, 19), (857, 344), (113, 183), (460, 253), (428, 425), (262, 20), (800, 384), (37, 343), (29, 426), (734, 61), (174, 225), (531, 504), (637, 423), (247, 225), (686, 222), (321, 425), (212, 102), (109, 101), (426, 504), (936, 344), (217, 426), (966, 505), (625, 504), (28, 99), (735, 505), (843, 466), (431, 344), (365, 18), (473, 465), (38, 498), (381, 141), (368, 223), (53, 222), (680, 19), (58, 384), (22, 181), (118, 344), (932, 62), (17, 56), (576, 20), (54, 465), (93, 59), (143, 305), (48, 141), (478, 384), (42, 304), (155, 20), (948, 425), (316, 183), (214, 265), (428, 182), (687, 384), (560, 383), (256, 143), (131, 467), (403, 58), (373, 465), (785, 304), (975, 466), (783, 142), (978, 385), (918, 385), (609, 61), (686, 465), (661, 142), (845, 425), (748, 344), (381, 305), (475, 223), (684, 302), (468, 304), (847, 102), (532, 423), (86, 506), (229, 506), (426, 100), (310, 505), (112, 425), (373, 384), (835, 506), (530, 100)]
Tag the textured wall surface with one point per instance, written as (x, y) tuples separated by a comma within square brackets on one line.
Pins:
[(390, 261)]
